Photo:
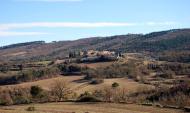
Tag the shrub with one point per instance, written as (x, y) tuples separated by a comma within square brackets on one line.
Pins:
[(177, 95), (21, 100), (70, 69), (88, 99), (29, 75), (20, 95), (4, 68), (97, 81), (121, 95), (35, 91), (31, 108), (115, 84), (86, 93), (167, 74), (98, 94), (116, 70), (90, 73), (107, 94), (25, 76), (11, 96), (6, 99)]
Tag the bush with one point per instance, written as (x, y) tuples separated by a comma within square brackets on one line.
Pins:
[(167, 74), (115, 84), (25, 76), (11, 96), (21, 100), (98, 94), (86, 93), (116, 70), (90, 73), (31, 108), (177, 96), (70, 69), (6, 99), (97, 81), (35, 91), (4, 68), (88, 99)]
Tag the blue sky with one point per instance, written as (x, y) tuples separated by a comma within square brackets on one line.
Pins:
[(54, 20)]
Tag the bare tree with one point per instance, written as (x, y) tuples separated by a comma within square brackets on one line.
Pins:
[(108, 94), (122, 95), (60, 90)]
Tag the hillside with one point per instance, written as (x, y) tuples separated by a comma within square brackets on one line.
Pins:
[(156, 42), (79, 85), (133, 78)]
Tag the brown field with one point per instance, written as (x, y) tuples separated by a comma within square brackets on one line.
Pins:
[(79, 85), (16, 54), (96, 65), (86, 108)]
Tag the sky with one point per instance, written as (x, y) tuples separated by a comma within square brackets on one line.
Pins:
[(55, 20)]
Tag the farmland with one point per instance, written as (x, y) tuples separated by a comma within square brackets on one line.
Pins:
[(91, 80), (87, 108)]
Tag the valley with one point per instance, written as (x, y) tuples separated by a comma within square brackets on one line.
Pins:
[(129, 78)]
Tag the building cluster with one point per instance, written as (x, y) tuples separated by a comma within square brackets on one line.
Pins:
[(93, 56), (93, 53)]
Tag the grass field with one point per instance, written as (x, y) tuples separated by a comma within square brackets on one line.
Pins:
[(96, 65), (86, 108), (80, 86)]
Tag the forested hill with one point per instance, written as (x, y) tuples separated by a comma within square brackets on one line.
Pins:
[(21, 44), (177, 40)]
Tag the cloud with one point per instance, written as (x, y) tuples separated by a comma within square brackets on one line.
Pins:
[(78, 25), (9, 33), (161, 23), (49, 0), (5, 29), (61, 25)]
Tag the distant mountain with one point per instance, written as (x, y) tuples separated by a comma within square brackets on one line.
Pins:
[(162, 41), (21, 44), (156, 42)]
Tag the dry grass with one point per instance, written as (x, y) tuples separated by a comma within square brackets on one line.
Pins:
[(16, 54), (86, 107), (46, 83), (79, 85), (96, 65), (130, 85), (9, 73)]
